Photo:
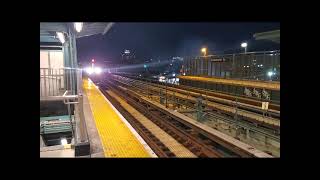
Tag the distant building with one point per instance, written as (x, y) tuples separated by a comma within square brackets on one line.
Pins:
[(127, 57)]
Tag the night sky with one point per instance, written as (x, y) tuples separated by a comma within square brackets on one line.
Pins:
[(165, 40)]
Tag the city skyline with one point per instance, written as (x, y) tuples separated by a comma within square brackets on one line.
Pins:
[(165, 40)]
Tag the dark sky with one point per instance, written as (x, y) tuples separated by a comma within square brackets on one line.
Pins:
[(165, 40)]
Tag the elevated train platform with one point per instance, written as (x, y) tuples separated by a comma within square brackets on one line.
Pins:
[(236, 87), (116, 136), (270, 85)]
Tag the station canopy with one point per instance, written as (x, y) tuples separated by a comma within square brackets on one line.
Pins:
[(48, 30)]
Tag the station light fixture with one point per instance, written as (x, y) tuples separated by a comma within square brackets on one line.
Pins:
[(64, 141), (270, 73), (61, 37), (174, 74), (78, 26)]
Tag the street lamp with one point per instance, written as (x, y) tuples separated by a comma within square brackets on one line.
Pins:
[(204, 51), (244, 45)]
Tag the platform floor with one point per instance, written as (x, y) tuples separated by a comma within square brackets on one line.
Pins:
[(117, 137), (178, 149)]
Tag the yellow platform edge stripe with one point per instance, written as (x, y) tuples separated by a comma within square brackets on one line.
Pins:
[(127, 124)]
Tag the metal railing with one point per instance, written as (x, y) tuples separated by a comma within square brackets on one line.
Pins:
[(65, 84), (249, 66), (56, 81)]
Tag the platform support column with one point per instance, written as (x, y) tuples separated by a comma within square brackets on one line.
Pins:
[(81, 120)]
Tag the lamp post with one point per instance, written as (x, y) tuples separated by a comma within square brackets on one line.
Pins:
[(204, 51), (244, 45)]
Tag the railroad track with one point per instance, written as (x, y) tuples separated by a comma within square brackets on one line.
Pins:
[(156, 145), (227, 109), (242, 103), (188, 135), (274, 105)]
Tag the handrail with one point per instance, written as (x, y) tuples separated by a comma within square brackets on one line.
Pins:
[(57, 98)]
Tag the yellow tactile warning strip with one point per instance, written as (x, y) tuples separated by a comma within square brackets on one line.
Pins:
[(174, 146), (117, 139)]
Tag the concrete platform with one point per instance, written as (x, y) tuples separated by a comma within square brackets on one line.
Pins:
[(117, 137)]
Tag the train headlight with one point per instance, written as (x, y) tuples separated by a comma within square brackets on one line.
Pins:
[(97, 70), (89, 70)]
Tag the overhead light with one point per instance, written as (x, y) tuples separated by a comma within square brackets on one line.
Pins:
[(61, 37), (173, 74), (64, 141), (270, 73), (78, 26)]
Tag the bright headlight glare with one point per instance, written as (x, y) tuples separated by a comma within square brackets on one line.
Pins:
[(97, 70), (89, 70)]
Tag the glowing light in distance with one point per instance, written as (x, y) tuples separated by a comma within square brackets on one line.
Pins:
[(89, 70), (97, 70), (244, 44)]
